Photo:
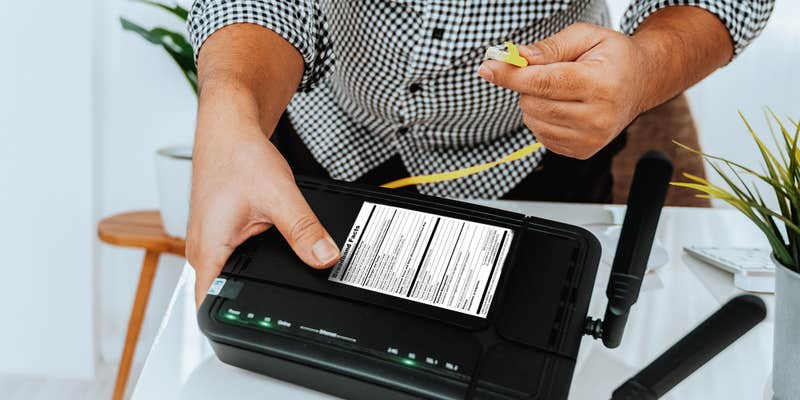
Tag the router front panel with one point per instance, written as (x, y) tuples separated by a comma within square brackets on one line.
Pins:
[(523, 346), (375, 331)]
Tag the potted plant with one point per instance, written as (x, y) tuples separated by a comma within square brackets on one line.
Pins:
[(780, 225), (173, 163)]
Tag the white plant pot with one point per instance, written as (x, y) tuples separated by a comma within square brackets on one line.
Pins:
[(786, 359), (174, 176)]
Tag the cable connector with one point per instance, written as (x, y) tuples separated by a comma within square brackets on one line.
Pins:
[(593, 327)]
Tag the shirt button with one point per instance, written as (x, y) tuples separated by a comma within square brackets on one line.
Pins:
[(402, 131), (414, 88)]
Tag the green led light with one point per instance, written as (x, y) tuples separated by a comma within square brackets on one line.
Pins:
[(231, 316), (265, 324), (412, 363)]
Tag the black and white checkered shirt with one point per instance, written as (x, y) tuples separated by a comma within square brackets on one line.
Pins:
[(386, 77)]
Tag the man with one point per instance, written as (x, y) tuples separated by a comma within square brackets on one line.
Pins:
[(381, 89)]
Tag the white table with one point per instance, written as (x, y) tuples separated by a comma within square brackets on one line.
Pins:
[(675, 298)]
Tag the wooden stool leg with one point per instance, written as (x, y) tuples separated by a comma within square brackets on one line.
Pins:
[(135, 323)]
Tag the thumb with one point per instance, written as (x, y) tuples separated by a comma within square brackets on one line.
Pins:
[(566, 45), (301, 228)]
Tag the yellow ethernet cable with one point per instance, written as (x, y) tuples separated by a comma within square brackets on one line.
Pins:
[(460, 173), (508, 55)]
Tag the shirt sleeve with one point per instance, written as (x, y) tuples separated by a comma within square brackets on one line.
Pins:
[(297, 21), (745, 19)]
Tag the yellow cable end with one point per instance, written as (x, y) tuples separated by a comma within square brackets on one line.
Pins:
[(508, 55), (513, 56)]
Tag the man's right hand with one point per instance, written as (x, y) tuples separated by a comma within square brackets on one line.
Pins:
[(240, 189), (241, 185)]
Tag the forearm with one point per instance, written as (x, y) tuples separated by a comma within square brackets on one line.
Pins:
[(241, 185), (247, 75), (682, 45)]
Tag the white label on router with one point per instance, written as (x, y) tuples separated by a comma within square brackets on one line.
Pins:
[(216, 286), (440, 261)]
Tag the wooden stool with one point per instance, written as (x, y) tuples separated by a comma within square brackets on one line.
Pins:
[(141, 229)]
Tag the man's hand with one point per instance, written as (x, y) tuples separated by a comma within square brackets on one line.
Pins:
[(582, 87), (241, 185), (239, 189), (585, 84)]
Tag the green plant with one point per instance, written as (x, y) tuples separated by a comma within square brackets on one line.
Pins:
[(174, 43), (781, 171)]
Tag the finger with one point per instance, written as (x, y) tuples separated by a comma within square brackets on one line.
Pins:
[(207, 250), (560, 81), (301, 228), (567, 114), (566, 45), (558, 139), (208, 263), (212, 239), (206, 271)]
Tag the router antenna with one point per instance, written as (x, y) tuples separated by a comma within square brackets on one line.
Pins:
[(713, 335), (645, 200)]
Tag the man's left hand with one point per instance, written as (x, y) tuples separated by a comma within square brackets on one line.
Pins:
[(582, 87)]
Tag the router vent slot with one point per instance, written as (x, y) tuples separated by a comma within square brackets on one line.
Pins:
[(568, 295)]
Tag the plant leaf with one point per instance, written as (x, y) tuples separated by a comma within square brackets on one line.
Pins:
[(781, 172), (174, 9), (174, 43)]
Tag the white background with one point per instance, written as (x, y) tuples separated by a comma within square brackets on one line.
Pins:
[(47, 198), (84, 106)]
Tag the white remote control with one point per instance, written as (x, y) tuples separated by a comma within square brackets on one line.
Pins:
[(752, 268)]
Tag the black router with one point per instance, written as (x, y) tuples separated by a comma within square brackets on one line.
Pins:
[(439, 299)]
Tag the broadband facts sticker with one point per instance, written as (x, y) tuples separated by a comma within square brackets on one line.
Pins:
[(440, 261)]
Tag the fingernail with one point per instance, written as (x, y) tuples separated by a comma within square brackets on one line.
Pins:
[(325, 251), (485, 72)]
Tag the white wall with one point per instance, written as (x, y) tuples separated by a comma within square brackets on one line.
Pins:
[(47, 208), (83, 107), (767, 74), (143, 104)]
